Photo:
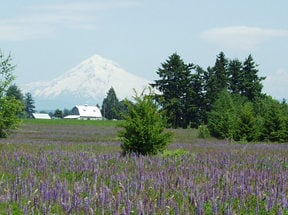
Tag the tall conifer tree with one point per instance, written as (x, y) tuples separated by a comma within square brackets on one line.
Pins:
[(252, 86), (176, 91)]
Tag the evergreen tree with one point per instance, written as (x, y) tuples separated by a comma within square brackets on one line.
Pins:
[(176, 90), (111, 106), (58, 113), (274, 125), (222, 118), (236, 77), (14, 91), (247, 125), (252, 86), (144, 125), (66, 112), (216, 80), (29, 106), (197, 110)]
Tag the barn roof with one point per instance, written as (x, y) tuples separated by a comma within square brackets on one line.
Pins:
[(41, 116), (89, 111)]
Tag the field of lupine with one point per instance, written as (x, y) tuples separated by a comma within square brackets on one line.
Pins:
[(77, 168)]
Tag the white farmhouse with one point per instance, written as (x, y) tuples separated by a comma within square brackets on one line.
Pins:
[(85, 112)]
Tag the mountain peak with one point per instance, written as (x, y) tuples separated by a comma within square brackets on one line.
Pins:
[(87, 82), (96, 59)]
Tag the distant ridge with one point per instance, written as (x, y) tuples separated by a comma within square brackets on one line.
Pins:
[(88, 83)]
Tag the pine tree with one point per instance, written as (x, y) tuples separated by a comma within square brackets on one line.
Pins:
[(111, 107), (14, 91), (175, 88), (144, 127), (216, 80), (274, 125), (222, 118), (252, 87), (58, 114), (29, 106), (197, 110), (247, 125), (236, 77)]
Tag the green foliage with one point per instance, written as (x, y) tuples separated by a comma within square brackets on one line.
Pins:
[(221, 120), (175, 85), (9, 109), (144, 127), (216, 80), (247, 125), (252, 87), (29, 106), (273, 116), (175, 153), (14, 91), (111, 107), (188, 92), (66, 112), (236, 73), (9, 106), (236, 118), (6, 75), (58, 113), (203, 131)]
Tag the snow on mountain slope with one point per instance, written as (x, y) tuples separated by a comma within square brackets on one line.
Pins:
[(87, 82)]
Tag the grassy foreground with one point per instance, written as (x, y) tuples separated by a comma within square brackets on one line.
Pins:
[(75, 167)]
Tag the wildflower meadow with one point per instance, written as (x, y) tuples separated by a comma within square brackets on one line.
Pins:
[(52, 169)]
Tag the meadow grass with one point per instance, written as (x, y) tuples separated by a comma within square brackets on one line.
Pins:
[(64, 122), (76, 167)]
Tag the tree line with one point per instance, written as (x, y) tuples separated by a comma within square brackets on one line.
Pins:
[(226, 99)]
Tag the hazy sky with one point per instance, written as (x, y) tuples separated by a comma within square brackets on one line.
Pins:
[(48, 37)]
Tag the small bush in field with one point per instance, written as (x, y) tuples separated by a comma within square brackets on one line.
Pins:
[(203, 132), (144, 126)]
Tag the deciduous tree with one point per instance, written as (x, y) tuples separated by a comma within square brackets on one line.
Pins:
[(9, 106)]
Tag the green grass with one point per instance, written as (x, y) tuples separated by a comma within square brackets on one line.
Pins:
[(64, 122)]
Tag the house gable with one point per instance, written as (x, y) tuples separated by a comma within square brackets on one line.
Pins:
[(87, 112)]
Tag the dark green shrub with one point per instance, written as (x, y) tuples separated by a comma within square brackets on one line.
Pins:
[(144, 126)]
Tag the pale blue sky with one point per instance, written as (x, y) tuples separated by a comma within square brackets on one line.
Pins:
[(48, 37)]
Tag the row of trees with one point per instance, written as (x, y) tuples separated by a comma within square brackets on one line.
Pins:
[(237, 118), (188, 92), (227, 98), (26, 100), (13, 104)]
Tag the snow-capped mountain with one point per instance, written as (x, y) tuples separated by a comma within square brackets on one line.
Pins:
[(86, 83)]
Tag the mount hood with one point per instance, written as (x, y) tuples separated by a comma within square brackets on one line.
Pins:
[(86, 83)]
